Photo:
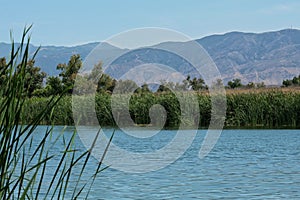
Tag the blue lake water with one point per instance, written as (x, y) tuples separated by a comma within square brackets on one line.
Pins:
[(244, 164)]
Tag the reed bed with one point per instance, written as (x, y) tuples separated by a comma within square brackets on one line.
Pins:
[(268, 108)]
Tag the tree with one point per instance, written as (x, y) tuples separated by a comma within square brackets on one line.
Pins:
[(197, 84), (293, 82), (69, 72), (33, 77), (106, 83), (166, 86), (53, 86), (260, 85), (102, 81), (235, 83), (96, 73), (296, 80), (251, 85), (218, 84), (184, 86), (287, 83), (163, 88), (143, 89)]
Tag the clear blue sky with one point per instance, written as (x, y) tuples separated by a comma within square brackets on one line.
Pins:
[(66, 22)]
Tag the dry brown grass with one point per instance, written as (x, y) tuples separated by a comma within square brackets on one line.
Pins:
[(262, 90)]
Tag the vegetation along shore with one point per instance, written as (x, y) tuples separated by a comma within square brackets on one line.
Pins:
[(250, 105)]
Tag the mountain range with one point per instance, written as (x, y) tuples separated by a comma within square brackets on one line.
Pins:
[(268, 57)]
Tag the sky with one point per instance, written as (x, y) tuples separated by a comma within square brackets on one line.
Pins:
[(68, 23)]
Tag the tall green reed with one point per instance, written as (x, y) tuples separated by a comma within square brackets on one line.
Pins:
[(24, 165)]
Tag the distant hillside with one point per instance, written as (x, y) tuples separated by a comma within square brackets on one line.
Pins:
[(269, 57), (50, 56)]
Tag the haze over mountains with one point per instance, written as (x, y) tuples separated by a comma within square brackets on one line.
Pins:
[(266, 57)]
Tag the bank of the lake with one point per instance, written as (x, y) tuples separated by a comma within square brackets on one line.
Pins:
[(258, 109)]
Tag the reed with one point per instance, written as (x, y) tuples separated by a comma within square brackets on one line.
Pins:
[(23, 165), (271, 109), (268, 108)]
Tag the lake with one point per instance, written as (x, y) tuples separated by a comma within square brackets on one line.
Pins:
[(244, 164)]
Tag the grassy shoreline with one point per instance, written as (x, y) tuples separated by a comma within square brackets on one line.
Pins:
[(261, 108)]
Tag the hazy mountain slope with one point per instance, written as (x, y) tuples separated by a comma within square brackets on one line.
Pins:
[(50, 56), (269, 57)]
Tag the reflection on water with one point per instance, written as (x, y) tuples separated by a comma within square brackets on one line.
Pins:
[(256, 164)]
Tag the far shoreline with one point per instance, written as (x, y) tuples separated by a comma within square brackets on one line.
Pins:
[(173, 128)]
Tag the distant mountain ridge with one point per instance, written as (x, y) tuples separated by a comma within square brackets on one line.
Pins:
[(269, 57)]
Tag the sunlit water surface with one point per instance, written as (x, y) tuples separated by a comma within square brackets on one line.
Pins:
[(244, 164)]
